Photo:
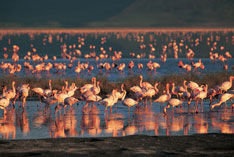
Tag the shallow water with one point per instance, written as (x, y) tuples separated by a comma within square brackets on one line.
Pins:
[(38, 122), (170, 67)]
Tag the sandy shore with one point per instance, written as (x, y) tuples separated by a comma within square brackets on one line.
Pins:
[(209, 144)]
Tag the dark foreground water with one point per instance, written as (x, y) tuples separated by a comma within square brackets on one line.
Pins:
[(38, 122)]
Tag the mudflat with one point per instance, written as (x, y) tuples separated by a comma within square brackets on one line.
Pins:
[(203, 144)]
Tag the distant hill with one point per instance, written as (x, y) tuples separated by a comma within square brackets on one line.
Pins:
[(116, 13)]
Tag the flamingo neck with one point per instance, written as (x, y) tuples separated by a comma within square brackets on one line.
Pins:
[(141, 79), (167, 89), (13, 87), (94, 83), (155, 87), (124, 95), (50, 87), (173, 88), (185, 86)]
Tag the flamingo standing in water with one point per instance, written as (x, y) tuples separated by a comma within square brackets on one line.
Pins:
[(4, 102), (172, 103), (151, 92), (224, 98), (179, 90), (11, 93), (67, 101), (200, 96), (198, 65), (23, 91), (89, 96), (43, 92), (110, 101), (129, 102), (226, 85), (165, 97)]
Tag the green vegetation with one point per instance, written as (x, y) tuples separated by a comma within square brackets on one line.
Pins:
[(212, 79), (117, 13)]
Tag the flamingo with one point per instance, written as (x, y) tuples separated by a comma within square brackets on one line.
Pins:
[(92, 98), (155, 66), (151, 92), (165, 97), (60, 96), (49, 100), (131, 65), (23, 92), (212, 92), (135, 89), (129, 102), (195, 92), (120, 94), (192, 85), (172, 103), (71, 90), (88, 86), (96, 88), (227, 84), (43, 92), (138, 92), (110, 101), (198, 65), (10, 94), (140, 66), (179, 90), (145, 85), (201, 95), (67, 101), (224, 98), (91, 95), (4, 102)]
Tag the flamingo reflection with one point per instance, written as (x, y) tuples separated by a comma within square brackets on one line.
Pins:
[(222, 123), (113, 124), (91, 122), (22, 121), (200, 125), (7, 125), (64, 125)]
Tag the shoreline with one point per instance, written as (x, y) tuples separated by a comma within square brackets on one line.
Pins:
[(114, 30), (199, 144)]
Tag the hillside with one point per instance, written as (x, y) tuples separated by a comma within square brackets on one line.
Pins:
[(117, 13)]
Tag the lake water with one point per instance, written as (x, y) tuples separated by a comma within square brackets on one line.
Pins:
[(170, 67), (38, 122)]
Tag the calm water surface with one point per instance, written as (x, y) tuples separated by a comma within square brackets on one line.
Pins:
[(38, 122)]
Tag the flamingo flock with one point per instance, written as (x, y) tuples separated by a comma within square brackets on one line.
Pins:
[(109, 59), (172, 97)]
